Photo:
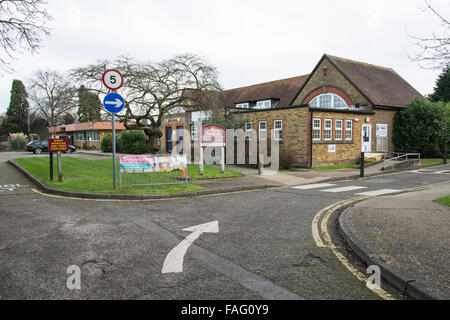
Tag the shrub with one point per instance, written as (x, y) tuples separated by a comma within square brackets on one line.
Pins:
[(132, 141), (106, 144), (422, 127), (17, 141), (287, 159)]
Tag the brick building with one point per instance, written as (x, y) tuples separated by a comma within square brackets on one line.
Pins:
[(86, 135), (341, 108)]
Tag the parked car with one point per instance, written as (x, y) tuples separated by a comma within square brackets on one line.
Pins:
[(39, 146)]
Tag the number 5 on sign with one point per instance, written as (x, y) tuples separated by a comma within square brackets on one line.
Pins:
[(112, 79)]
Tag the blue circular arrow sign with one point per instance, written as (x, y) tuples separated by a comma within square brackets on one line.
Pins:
[(113, 102)]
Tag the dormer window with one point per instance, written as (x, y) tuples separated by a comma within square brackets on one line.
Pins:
[(263, 104), (244, 105), (328, 100)]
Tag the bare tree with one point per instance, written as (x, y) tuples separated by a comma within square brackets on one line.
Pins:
[(153, 90), (22, 28), (433, 51), (52, 95)]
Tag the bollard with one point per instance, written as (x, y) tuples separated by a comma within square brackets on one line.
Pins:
[(445, 153), (361, 165)]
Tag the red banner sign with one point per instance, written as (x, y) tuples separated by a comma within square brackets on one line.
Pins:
[(55, 145), (213, 135)]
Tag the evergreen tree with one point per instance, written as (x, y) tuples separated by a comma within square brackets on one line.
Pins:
[(422, 127), (89, 106), (17, 114), (442, 89), (68, 118)]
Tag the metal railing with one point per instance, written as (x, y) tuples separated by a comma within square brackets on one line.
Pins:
[(399, 157)]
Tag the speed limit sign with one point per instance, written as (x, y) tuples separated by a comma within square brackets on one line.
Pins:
[(112, 79)]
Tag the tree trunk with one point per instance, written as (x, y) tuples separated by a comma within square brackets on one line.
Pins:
[(154, 139)]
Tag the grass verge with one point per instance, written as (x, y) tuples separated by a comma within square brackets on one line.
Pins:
[(431, 161), (444, 200), (338, 166), (95, 176)]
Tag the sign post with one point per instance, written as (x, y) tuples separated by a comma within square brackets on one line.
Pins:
[(114, 103), (51, 166), (213, 135)]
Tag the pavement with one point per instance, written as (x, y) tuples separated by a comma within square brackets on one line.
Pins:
[(251, 177), (409, 233)]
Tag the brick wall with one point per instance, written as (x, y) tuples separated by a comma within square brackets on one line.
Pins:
[(346, 151), (385, 117), (295, 132), (333, 79), (173, 121)]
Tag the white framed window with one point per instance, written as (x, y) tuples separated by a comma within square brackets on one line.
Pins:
[(244, 105), (327, 129), (92, 135), (79, 136), (200, 115), (248, 129), (194, 133), (328, 100), (338, 129), (263, 104), (317, 129), (348, 129), (278, 129), (262, 130)]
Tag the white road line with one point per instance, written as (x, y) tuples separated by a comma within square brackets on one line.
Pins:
[(442, 171), (343, 189), (378, 192), (314, 186)]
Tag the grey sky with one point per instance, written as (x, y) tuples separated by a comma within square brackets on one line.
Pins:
[(248, 41)]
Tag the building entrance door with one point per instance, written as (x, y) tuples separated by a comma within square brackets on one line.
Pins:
[(366, 139), (168, 139)]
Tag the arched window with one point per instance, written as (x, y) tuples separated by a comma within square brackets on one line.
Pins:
[(328, 100)]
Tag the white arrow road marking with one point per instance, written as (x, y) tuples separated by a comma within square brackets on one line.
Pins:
[(118, 103), (174, 259)]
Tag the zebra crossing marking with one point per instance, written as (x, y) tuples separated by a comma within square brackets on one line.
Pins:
[(378, 192), (343, 189), (314, 186)]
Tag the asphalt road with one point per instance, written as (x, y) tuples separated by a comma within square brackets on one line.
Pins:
[(264, 248)]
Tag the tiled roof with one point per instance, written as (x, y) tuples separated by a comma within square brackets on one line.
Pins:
[(282, 90), (100, 125), (382, 86)]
